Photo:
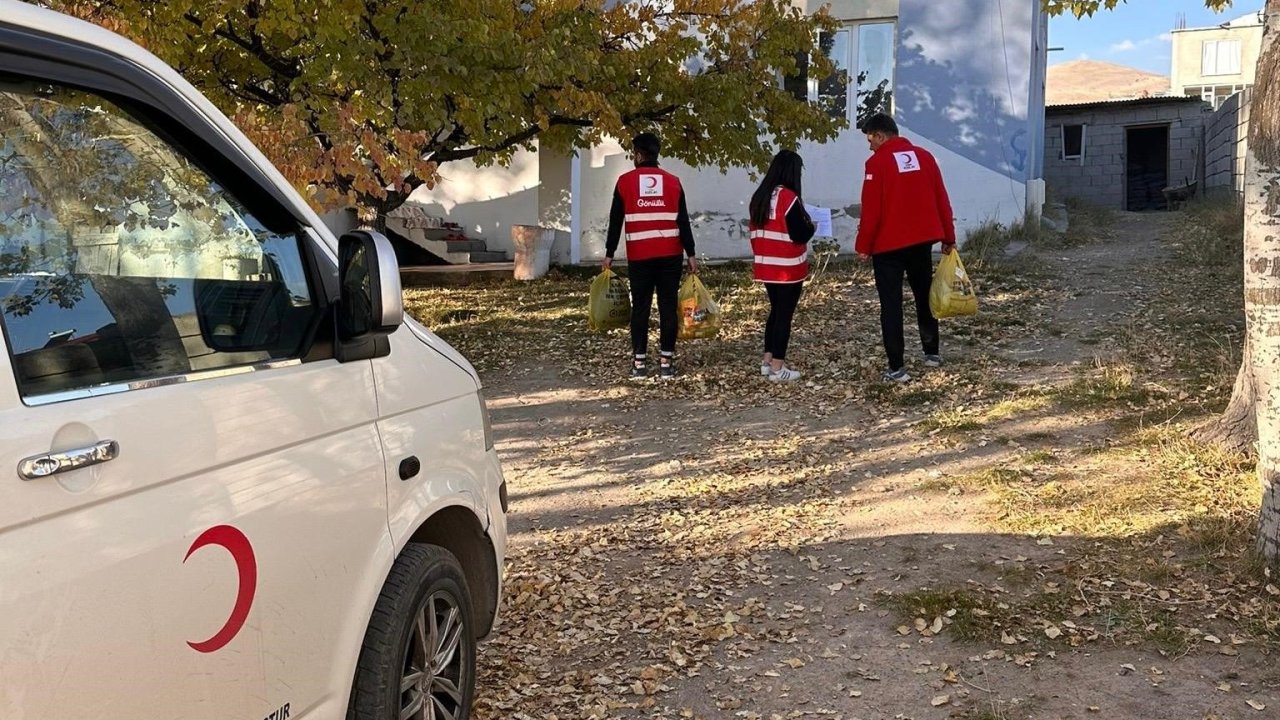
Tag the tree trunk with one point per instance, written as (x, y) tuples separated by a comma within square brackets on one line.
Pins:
[(1236, 429), (145, 325), (1262, 274), (373, 210)]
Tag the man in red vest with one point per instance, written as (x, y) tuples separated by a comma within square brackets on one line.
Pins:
[(905, 210), (649, 202)]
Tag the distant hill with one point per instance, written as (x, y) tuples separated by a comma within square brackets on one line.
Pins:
[(1084, 81)]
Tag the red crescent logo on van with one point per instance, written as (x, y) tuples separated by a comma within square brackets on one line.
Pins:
[(241, 551)]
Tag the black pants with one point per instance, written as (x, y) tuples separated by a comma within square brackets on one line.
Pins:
[(916, 263), (783, 299), (663, 275)]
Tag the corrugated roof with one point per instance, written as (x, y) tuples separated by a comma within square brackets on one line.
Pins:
[(1127, 102)]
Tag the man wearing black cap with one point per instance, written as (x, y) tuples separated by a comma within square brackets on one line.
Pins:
[(649, 201)]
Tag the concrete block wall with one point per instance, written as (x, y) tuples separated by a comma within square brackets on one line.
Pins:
[(1242, 138), (1220, 146), (1186, 143), (1099, 178)]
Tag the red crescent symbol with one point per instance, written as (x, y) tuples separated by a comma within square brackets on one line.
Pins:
[(242, 552), (650, 181)]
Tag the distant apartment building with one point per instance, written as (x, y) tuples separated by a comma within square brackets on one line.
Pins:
[(1217, 62)]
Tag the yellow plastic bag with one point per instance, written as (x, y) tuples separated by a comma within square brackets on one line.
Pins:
[(699, 314), (951, 294), (609, 304)]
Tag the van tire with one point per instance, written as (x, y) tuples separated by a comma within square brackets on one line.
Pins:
[(388, 657)]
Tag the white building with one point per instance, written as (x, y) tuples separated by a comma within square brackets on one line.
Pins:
[(1217, 62), (967, 83)]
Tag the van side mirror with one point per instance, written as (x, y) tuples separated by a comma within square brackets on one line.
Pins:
[(370, 304)]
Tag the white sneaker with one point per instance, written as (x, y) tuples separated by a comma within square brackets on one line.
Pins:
[(933, 361), (786, 374), (898, 376), (766, 369)]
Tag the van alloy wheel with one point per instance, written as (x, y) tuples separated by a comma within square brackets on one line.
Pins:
[(418, 661), (434, 667)]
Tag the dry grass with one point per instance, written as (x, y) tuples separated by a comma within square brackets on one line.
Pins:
[(1018, 407), (1171, 521), (1174, 540), (1212, 233), (1087, 224), (967, 616), (499, 324), (985, 246), (1150, 532), (1104, 386), (1161, 479), (952, 420)]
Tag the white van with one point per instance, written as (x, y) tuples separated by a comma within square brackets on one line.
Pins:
[(235, 483)]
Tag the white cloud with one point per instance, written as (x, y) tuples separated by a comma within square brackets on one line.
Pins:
[(1125, 46)]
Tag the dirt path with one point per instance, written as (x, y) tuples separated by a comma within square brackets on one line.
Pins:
[(703, 554)]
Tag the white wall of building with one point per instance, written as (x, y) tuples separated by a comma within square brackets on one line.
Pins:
[(832, 178), (854, 9), (486, 201), (341, 220), (1189, 51), (555, 202)]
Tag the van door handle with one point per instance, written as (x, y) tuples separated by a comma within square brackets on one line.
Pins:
[(42, 466)]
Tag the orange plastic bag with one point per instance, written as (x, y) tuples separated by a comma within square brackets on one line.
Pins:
[(700, 315)]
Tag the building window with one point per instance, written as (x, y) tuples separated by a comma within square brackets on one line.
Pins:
[(1073, 142), (863, 58), (832, 92), (875, 69), (1220, 57), (1215, 95)]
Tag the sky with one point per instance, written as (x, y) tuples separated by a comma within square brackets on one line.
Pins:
[(1136, 33)]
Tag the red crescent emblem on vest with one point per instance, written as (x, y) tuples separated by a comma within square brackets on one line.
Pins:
[(650, 182), (241, 551)]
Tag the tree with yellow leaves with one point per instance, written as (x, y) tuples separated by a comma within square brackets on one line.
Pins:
[(359, 101)]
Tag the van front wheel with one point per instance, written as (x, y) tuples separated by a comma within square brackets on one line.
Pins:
[(418, 661)]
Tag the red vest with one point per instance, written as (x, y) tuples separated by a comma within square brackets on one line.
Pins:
[(778, 259), (651, 197)]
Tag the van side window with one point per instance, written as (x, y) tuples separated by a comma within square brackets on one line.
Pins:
[(121, 260)]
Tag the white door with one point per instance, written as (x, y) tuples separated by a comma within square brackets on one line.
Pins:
[(213, 557)]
